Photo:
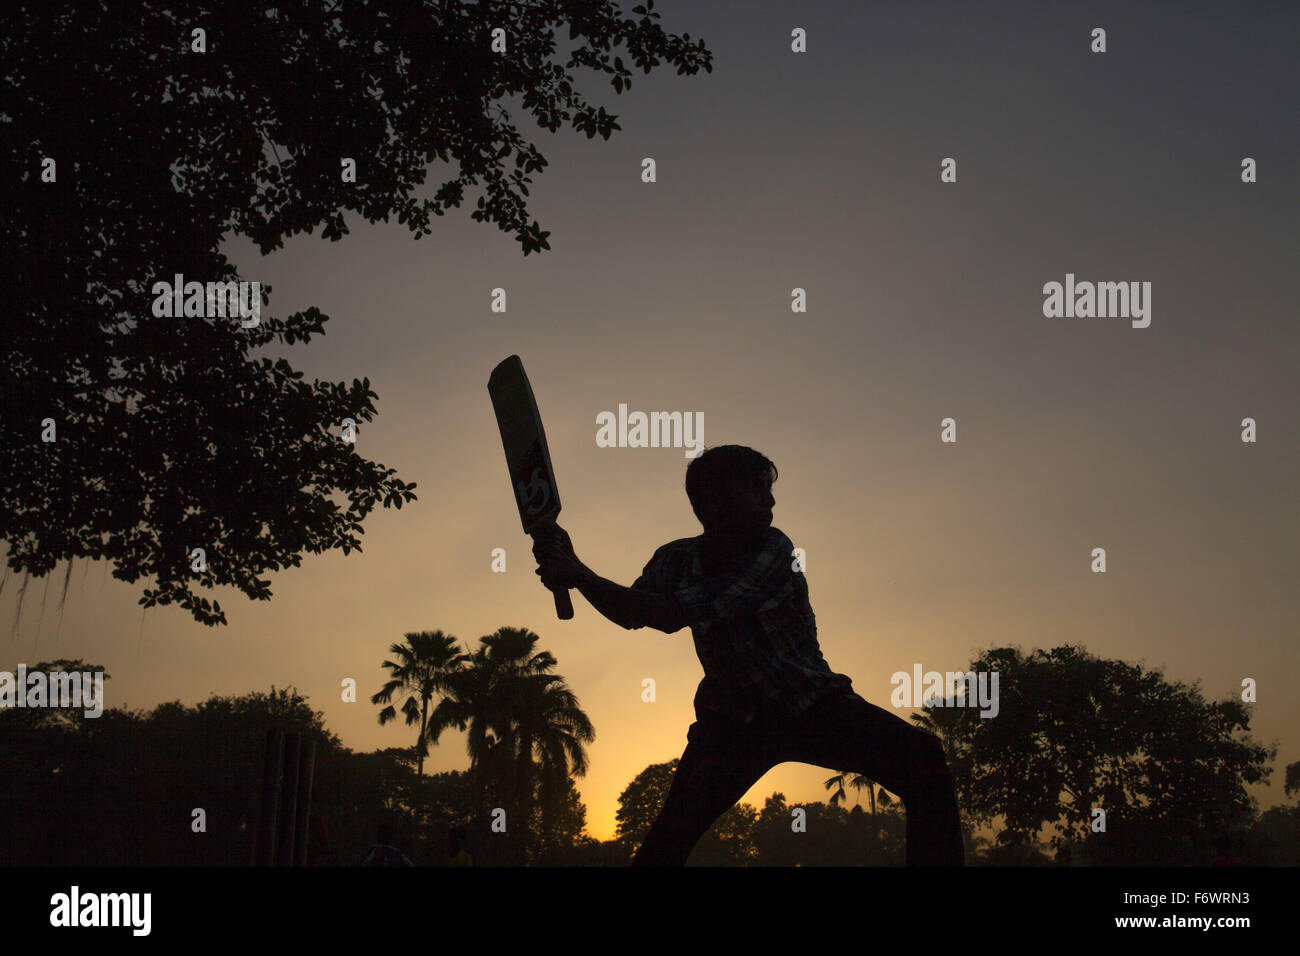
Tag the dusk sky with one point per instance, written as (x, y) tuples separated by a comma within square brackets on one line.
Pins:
[(821, 171)]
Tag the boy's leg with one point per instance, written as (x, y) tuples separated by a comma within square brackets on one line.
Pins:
[(721, 761), (847, 733)]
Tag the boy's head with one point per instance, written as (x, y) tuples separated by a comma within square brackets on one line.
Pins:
[(730, 488)]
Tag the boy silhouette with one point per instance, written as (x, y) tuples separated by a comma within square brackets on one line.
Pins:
[(768, 696)]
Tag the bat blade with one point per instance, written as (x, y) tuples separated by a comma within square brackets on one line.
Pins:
[(528, 460)]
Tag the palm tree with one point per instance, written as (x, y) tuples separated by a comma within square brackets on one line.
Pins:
[(551, 730), (858, 782), (526, 732), (943, 722), (426, 665), (838, 782), (466, 706)]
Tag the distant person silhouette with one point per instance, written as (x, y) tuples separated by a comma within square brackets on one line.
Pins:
[(768, 696), (457, 855), (318, 841), (383, 853)]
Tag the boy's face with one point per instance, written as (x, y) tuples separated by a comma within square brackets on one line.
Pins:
[(745, 506)]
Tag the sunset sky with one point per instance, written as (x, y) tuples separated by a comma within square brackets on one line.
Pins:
[(821, 171)]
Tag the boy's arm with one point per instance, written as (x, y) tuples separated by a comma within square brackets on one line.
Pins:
[(766, 574), (629, 607)]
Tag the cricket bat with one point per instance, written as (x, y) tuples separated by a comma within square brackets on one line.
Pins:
[(529, 461)]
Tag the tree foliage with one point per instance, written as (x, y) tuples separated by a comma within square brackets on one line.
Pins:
[(526, 735), (729, 842), (640, 802), (746, 836), (170, 434), (120, 789), (425, 664), (1075, 732), (830, 835)]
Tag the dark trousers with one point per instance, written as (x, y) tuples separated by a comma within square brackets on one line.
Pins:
[(724, 758)]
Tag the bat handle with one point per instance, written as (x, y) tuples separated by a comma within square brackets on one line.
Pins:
[(563, 606)]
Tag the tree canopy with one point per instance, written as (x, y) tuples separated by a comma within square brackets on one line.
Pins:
[(133, 141), (1077, 733)]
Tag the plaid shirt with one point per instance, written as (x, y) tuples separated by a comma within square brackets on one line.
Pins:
[(754, 629)]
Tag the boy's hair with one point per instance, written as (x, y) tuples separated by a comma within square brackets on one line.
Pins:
[(707, 475)]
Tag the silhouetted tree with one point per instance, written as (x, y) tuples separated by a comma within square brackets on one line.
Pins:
[(120, 789), (425, 665), (859, 783), (830, 836), (1274, 839), (551, 733), (526, 732), (640, 802), (730, 841), (48, 717), (1075, 732), (561, 828), (1014, 848), (169, 434)]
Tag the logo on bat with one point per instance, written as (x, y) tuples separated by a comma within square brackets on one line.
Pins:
[(535, 486)]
